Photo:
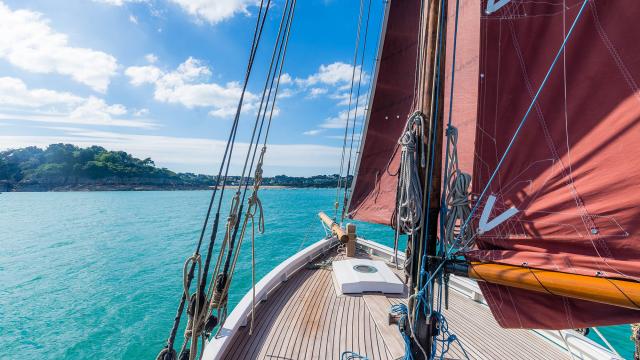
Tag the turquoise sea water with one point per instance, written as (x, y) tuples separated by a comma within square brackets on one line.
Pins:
[(98, 275)]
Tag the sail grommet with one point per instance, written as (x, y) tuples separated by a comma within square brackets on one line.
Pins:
[(594, 231)]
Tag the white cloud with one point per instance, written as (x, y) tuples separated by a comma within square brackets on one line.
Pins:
[(133, 19), (27, 41), (97, 111), (286, 93), (42, 105), (335, 78), (65, 118), (313, 132), (315, 92), (119, 2), (285, 79), (346, 98), (139, 75), (188, 85), (192, 154), (14, 92), (215, 11), (336, 74), (151, 58), (339, 122)]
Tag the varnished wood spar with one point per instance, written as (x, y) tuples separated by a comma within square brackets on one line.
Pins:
[(615, 292), (335, 227), (347, 236)]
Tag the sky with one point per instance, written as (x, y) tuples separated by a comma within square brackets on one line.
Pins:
[(162, 78)]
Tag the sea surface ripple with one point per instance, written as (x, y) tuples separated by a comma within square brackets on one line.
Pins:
[(97, 275)]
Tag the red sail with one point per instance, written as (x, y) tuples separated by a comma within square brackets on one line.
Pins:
[(574, 170), (465, 90), (374, 191)]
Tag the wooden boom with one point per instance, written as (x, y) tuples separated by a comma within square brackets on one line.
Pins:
[(335, 227), (623, 293)]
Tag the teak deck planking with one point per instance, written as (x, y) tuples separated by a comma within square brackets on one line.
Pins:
[(304, 318)]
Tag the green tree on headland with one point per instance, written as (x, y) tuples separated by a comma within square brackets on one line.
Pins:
[(67, 167), (66, 160)]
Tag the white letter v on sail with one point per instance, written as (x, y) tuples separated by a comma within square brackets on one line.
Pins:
[(486, 225), (494, 5)]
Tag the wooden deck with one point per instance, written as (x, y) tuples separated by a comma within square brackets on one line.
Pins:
[(304, 318)]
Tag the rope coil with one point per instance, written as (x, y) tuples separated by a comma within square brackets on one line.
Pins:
[(457, 195), (409, 202)]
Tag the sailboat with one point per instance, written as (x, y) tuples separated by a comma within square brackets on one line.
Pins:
[(501, 144)]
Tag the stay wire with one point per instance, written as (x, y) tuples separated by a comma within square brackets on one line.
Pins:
[(274, 75), (255, 42), (419, 54), (443, 201), (228, 154), (278, 48), (275, 96), (355, 113), (229, 150), (346, 127), (230, 266), (268, 85)]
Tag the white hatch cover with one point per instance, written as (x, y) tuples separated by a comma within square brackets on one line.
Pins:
[(354, 276)]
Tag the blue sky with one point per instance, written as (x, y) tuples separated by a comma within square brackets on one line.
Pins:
[(160, 78)]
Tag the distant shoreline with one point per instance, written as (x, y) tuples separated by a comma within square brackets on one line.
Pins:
[(66, 167)]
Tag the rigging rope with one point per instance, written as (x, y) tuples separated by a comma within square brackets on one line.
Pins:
[(402, 312), (224, 277), (458, 204), (168, 352), (450, 160), (424, 296), (356, 52), (195, 310), (350, 355), (635, 337), (443, 338), (199, 323), (409, 201), (355, 115)]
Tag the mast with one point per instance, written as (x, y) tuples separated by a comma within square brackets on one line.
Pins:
[(430, 100)]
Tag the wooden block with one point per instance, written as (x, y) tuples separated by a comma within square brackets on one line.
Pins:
[(351, 243)]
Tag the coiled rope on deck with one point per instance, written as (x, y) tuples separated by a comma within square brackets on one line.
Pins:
[(402, 312), (350, 355), (444, 338)]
